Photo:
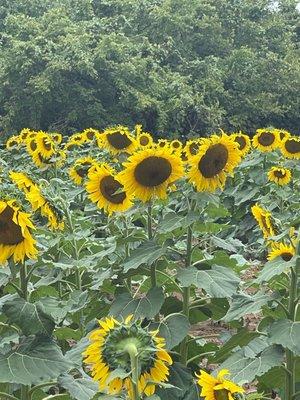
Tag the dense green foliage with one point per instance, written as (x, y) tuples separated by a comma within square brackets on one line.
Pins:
[(177, 66)]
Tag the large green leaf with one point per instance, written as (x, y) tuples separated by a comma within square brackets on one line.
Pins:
[(34, 360), (244, 369), (147, 253), (245, 304), (147, 306), (273, 268), (217, 281), (286, 333), (80, 389), (31, 318), (173, 328)]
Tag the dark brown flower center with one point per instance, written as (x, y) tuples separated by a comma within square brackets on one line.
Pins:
[(286, 256), (153, 171), (108, 187), (90, 135), (176, 145), (162, 143), (118, 140), (213, 161), (221, 394), (241, 142), (194, 147), (292, 146), (47, 144), (266, 138), (13, 143), (279, 174), (144, 140), (33, 145), (83, 169), (10, 232)]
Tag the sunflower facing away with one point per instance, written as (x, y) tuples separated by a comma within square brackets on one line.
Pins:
[(15, 233), (105, 189), (286, 252), (216, 159), (264, 219), (281, 176), (243, 141), (217, 388), (118, 140), (81, 168), (290, 147), (266, 139), (149, 172), (108, 353)]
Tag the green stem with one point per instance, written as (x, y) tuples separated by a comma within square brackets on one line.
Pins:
[(133, 354), (23, 280), (150, 237), (186, 294), (24, 392)]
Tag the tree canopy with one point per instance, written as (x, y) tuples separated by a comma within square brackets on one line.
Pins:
[(179, 67)]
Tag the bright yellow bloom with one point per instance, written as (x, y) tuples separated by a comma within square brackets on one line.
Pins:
[(216, 158), (12, 143), (118, 140), (243, 141), (90, 134), (81, 168), (15, 233), (217, 388), (264, 219), (290, 147), (286, 252), (266, 139), (144, 139), (150, 172), (281, 176)]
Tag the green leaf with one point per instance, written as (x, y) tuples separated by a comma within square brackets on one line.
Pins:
[(244, 369), (217, 281), (34, 360), (173, 328), (80, 389), (144, 307), (286, 333), (31, 318), (147, 254), (245, 304), (74, 356), (273, 268)]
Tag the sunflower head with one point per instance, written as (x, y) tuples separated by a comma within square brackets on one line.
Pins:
[(191, 147), (13, 143), (45, 145), (290, 147), (110, 349), (118, 140), (286, 252), (148, 173), (264, 219), (16, 240), (218, 388), (25, 133), (176, 145), (90, 134), (144, 139), (243, 142), (79, 171), (31, 145), (216, 158), (266, 139), (106, 190), (56, 137), (162, 143), (281, 176)]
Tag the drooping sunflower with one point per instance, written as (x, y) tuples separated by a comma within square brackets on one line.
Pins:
[(290, 147), (281, 176), (22, 181), (106, 190), (243, 141), (286, 252), (149, 172), (118, 140), (264, 219), (216, 159), (109, 351), (217, 388), (13, 143), (15, 233), (81, 168), (266, 139)]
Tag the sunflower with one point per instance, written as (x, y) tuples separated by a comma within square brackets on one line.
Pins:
[(216, 158), (106, 191), (162, 143), (191, 147), (149, 173), (290, 147), (217, 388), (31, 145), (264, 219), (78, 138), (118, 140), (81, 168), (176, 145), (56, 137), (13, 143), (283, 134), (281, 176), (22, 181), (109, 350), (15, 233), (45, 145), (243, 141), (286, 252), (266, 139), (25, 133), (144, 139), (90, 134)]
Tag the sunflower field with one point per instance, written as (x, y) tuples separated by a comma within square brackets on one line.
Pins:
[(140, 269)]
